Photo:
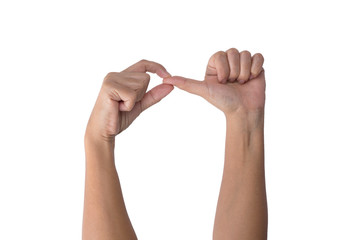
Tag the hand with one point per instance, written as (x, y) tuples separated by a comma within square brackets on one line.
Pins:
[(123, 97), (234, 82)]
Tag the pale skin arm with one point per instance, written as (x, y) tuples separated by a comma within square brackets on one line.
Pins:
[(121, 99), (242, 209), (235, 84), (105, 215)]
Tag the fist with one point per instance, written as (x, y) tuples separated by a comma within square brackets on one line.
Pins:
[(234, 82), (123, 97)]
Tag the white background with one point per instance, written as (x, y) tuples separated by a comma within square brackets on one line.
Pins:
[(55, 54)]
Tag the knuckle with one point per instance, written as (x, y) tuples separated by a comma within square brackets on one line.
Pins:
[(106, 86), (109, 76), (232, 51), (160, 66), (143, 61), (245, 53), (220, 54), (259, 56), (140, 81)]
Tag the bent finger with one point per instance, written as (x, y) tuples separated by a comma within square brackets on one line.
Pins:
[(218, 65), (149, 66), (234, 63), (245, 66), (256, 65)]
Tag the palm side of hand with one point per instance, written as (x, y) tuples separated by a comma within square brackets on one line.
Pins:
[(233, 82), (234, 96)]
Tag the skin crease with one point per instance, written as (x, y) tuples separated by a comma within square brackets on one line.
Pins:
[(122, 98), (234, 82), (230, 95)]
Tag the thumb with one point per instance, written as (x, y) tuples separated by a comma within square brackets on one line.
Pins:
[(155, 95), (189, 85)]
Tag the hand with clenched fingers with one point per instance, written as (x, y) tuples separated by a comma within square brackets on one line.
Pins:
[(123, 97), (234, 82)]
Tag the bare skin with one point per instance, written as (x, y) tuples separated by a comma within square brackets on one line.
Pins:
[(121, 99), (235, 84)]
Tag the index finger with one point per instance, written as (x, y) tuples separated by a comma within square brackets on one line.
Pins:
[(218, 65), (148, 66)]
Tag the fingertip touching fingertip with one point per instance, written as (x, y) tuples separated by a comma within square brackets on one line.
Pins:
[(166, 80)]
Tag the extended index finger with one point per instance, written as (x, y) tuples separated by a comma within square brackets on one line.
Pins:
[(149, 66)]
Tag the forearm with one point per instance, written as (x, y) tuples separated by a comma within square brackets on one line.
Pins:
[(242, 208), (105, 215)]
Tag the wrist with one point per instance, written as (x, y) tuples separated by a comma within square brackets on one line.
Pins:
[(244, 137), (246, 121), (95, 137), (98, 150), (92, 143)]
